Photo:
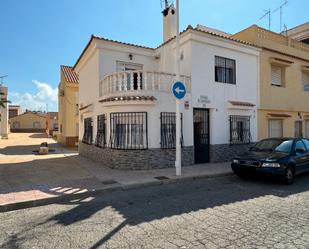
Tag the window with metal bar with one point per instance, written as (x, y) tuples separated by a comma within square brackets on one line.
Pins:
[(129, 130), (168, 130), (240, 129), (87, 137), (225, 70), (101, 133)]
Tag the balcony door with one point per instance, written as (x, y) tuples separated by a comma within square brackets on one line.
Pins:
[(137, 77)]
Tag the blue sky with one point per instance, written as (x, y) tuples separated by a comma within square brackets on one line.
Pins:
[(37, 36)]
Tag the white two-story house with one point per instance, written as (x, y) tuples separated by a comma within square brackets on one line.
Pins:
[(127, 110)]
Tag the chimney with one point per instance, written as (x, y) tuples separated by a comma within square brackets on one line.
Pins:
[(169, 22)]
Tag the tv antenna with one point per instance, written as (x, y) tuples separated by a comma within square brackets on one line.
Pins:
[(166, 3), (281, 12), (1, 78), (267, 13)]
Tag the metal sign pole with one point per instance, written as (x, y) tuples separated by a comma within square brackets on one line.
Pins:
[(178, 120)]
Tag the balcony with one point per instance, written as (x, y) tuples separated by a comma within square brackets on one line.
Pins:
[(139, 83)]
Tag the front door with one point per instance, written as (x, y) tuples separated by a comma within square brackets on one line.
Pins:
[(201, 135)]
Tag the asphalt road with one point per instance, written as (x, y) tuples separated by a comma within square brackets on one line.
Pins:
[(223, 212)]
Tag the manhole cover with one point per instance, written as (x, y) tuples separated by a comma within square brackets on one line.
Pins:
[(109, 182), (161, 178)]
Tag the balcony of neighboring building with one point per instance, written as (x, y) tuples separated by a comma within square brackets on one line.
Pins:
[(136, 86), (270, 40)]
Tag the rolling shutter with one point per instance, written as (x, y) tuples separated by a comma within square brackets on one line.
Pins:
[(275, 127), (276, 75), (307, 129)]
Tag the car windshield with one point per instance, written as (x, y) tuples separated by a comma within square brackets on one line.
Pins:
[(277, 145)]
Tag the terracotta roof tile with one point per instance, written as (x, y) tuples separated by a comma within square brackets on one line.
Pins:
[(189, 27), (69, 74)]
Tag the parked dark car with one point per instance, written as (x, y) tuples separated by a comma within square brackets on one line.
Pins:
[(283, 157)]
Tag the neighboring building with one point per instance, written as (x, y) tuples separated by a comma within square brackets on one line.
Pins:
[(4, 125), (68, 107), (284, 83), (299, 33), (29, 122), (14, 110), (127, 111), (51, 123)]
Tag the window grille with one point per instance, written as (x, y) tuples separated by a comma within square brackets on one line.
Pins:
[(101, 131), (87, 138), (225, 70), (240, 129), (129, 130), (168, 130)]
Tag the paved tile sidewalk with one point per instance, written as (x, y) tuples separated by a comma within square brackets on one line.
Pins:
[(28, 180)]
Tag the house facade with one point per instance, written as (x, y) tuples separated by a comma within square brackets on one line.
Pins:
[(51, 123), (4, 125), (34, 122), (127, 111), (299, 33), (284, 83), (68, 107), (14, 110)]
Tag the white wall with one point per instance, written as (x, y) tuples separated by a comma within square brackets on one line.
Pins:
[(204, 50), (198, 52)]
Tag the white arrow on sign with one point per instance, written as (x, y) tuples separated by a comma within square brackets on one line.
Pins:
[(178, 90)]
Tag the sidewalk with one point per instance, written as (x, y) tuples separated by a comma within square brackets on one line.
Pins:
[(28, 180)]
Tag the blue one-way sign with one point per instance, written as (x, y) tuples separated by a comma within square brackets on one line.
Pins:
[(179, 90)]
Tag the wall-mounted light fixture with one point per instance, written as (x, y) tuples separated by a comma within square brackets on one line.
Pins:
[(131, 57)]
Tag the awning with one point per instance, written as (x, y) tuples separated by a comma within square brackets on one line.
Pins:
[(241, 103), (280, 62), (279, 115)]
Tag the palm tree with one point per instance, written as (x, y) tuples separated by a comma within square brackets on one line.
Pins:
[(3, 101)]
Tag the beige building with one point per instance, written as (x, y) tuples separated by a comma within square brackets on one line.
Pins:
[(68, 107), (284, 83), (4, 126), (51, 123), (28, 122), (299, 33), (14, 110)]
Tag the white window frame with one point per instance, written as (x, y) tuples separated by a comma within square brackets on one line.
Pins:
[(274, 81)]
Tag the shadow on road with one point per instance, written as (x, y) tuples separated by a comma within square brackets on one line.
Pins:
[(155, 203)]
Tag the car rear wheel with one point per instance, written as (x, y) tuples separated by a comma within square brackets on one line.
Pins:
[(289, 175)]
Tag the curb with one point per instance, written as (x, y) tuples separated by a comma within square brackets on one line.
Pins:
[(95, 192)]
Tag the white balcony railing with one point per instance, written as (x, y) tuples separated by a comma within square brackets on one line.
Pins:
[(141, 81)]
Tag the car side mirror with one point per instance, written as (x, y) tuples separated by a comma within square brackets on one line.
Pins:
[(299, 151)]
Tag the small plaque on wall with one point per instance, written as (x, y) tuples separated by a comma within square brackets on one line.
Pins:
[(187, 105)]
